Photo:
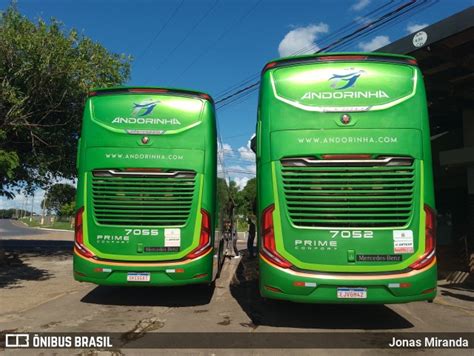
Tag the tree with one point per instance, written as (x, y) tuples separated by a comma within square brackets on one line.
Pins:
[(247, 198), (45, 74), (59, 198), (68, 209)]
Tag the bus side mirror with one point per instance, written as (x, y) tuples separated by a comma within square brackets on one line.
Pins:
[(253, 143)]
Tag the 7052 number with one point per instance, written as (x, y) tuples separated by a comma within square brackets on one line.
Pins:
[(352, 234)]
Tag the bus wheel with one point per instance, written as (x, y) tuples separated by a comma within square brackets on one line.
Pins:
[(430, 301)]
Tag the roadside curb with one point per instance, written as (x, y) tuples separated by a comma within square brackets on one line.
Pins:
[(48, 229), (22, 224)]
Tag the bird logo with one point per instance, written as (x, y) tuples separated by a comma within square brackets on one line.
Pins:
[(144, 108), (347, 79)]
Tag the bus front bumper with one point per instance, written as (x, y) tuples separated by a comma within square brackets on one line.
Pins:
[(197, 271), (286, 284)]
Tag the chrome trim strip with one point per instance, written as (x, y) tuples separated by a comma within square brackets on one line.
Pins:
[(387, 161), (113, 172), (145, 132)]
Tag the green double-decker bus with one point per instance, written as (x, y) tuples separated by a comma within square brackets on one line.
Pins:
[(146, 194), (345, 186)]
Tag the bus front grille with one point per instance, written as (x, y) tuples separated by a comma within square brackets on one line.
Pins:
[(142, 197), (349, 192)]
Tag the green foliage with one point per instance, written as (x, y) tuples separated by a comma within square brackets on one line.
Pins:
[(60, 199), (232, 202), (45, 74), (247, 198), (67, 209), (9, 161), (8, 213)]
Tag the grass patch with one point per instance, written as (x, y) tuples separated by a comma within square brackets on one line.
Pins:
[(61, 225)]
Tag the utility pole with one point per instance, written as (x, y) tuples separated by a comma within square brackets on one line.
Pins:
[(43, 210), (31, 211), (25, 206)]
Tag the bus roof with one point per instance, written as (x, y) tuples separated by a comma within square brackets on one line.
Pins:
[(333, 56), (151, 90)]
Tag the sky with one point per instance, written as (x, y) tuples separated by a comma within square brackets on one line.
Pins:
[(212, 45)]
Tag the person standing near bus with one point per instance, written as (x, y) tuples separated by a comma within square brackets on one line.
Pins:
[(251, 236)]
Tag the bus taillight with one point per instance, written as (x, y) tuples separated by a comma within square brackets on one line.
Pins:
[(268, 239), (79, 235), (430, 240), (205, 238)]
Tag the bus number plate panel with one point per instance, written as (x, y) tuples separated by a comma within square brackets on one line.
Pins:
[(352, 293), (138, 277)]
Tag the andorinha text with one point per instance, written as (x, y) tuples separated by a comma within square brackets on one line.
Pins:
[(145, 120), (379, 94)]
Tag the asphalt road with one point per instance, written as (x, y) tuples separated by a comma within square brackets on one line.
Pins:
[(38, 294), (16, 236), (14, 228)]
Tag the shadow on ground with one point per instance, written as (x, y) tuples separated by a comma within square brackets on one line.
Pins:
[(244, 288), (185, 296), (14, 270), (460, 296), (38, 247)]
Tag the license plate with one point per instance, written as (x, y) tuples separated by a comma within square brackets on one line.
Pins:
[(352, 293), (138, 277)]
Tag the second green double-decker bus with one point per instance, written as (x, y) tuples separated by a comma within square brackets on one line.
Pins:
[(146, 188), (345, 186)]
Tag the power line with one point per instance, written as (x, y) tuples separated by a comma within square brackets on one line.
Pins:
[(238, 135), (370, 26), (346, 28), (253, 85), (173, 14), (222, 35), (425, 4), (238, 99), (186, 36), (241, 172), (302, 50), (343, 29), (235, 86)]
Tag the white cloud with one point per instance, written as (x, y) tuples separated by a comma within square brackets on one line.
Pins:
[(237, 169), (241, 174), (246, 153), (220, 170), (411, 28), (375, 43), (241, 182), (224, 150), (301, 40), (227, 167), (360, 5)]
